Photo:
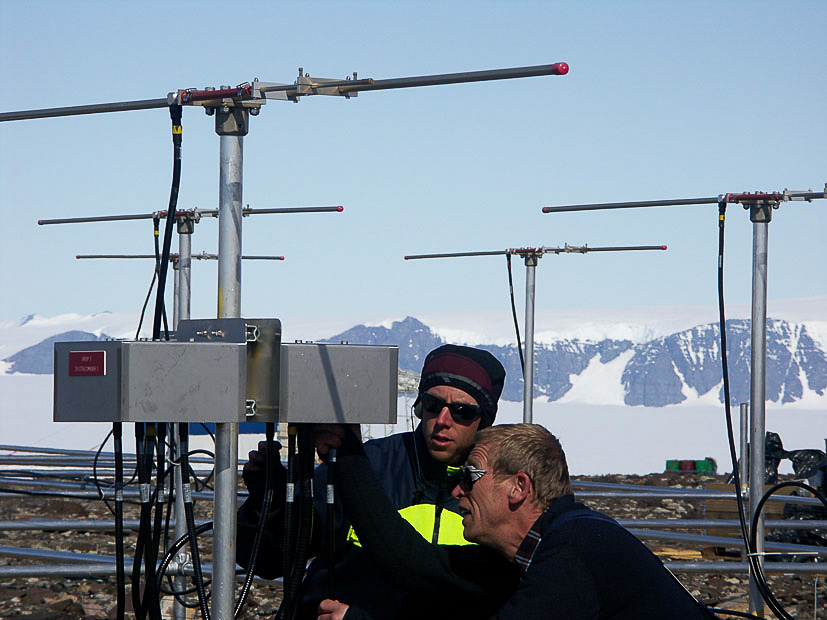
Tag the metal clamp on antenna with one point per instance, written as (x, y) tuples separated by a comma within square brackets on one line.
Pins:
[(306, 85)]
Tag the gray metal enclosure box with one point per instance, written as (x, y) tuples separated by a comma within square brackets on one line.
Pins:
[(95, 396), (338, 383), (183, 382), (150, 382)]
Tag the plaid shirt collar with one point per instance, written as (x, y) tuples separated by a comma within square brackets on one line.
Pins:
[(525, 552)]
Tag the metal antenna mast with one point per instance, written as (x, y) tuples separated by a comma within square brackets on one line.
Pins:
[(185, 224), (232, 108), (760, 206), (531, 257)]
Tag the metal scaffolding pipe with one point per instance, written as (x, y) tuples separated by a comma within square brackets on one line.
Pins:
[(92, 525), (77, 525), (90, 571), (722, 541), (792, 499), (94, 495), (780, 524), (43, 450), (796, 568), (93, 571), (25, 553)]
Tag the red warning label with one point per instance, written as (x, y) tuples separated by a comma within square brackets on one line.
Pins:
[(87, 363)]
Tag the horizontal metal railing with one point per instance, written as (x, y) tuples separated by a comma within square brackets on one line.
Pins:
[(55, 465)]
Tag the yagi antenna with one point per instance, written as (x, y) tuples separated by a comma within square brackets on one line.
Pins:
[(760, 206), (232, 108), (253, 95), (532, 257), (193, 214)]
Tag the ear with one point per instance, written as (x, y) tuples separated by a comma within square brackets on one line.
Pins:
[(520, 489)]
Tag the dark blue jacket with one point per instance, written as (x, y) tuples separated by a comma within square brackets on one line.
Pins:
[(408, 476)]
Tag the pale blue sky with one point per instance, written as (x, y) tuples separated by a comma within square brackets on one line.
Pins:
[(663, 100)]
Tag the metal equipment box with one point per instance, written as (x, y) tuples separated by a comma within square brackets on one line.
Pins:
[(144, 381), (338, 383), (87, 386)]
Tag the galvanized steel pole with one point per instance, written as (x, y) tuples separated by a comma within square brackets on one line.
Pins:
[(528, 375), (760, 215), (183, 303), (229, 306)]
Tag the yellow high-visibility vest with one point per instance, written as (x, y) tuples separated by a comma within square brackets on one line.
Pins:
[(423, 517)]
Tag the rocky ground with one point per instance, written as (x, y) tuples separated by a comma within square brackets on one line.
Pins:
[(94, 599)]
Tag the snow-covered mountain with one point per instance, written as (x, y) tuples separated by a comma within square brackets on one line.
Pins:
[(668, 370), (589, 369), (680, 367)]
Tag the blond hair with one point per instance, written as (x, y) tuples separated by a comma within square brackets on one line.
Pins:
[(531, 449)]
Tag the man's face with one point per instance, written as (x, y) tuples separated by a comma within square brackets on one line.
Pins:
[(448, 441), (483, 504)]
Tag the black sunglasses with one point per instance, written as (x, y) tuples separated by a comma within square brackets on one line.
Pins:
[(468, 475), (461, 412)]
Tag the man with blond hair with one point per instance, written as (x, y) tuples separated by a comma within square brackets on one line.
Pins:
[(515, 497)]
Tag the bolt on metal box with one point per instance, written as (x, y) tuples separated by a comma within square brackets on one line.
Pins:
[(338, 383), (144, 381)]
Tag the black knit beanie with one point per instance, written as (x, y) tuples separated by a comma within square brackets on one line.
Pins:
[(474, 371)]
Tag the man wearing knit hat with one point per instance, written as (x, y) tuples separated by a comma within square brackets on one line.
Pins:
[(458, 394)]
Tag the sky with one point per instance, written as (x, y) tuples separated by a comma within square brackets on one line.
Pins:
[(663, 100)]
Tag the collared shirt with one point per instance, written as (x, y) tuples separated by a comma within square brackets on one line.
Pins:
[(525, 552)]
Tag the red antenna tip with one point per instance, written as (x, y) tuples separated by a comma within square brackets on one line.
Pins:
[(545, 209), (280, 257), (562, 68), (39, 222), (340, 208), (663, 247)]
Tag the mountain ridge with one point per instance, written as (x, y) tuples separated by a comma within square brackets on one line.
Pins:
[(666, 370)]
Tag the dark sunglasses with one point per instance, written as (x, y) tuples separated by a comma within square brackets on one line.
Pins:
[(468, 475), (461, 412)]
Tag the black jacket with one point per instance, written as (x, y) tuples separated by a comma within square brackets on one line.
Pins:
[(407, 475)]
